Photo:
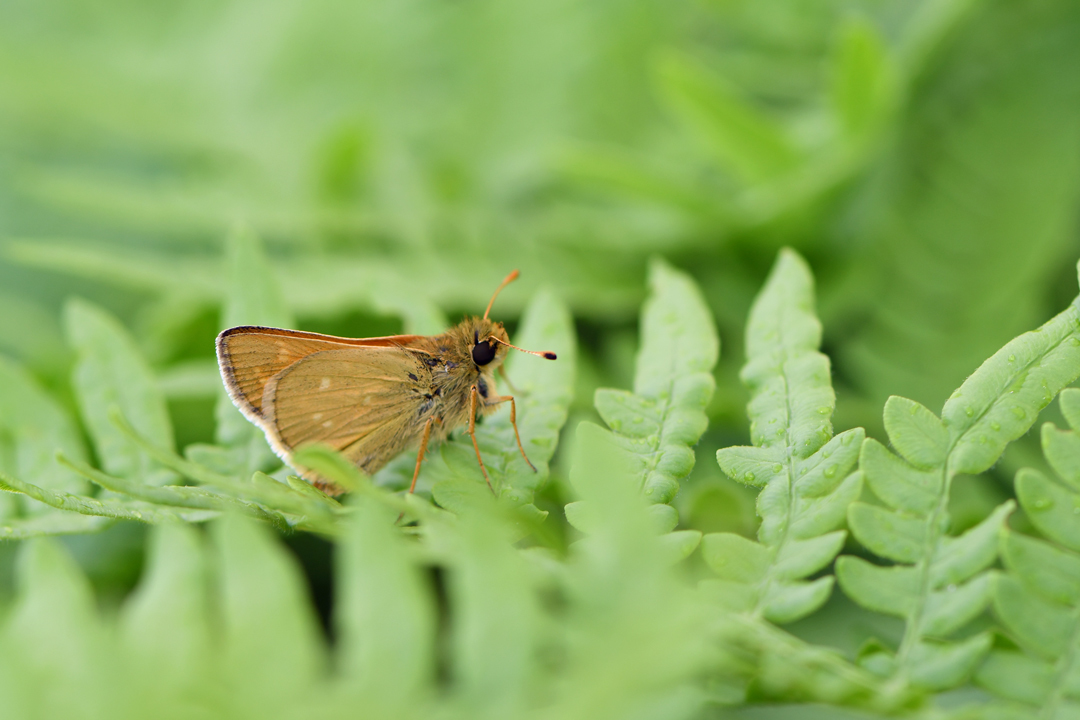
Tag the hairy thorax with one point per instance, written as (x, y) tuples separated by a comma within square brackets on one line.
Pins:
[(454, 372)]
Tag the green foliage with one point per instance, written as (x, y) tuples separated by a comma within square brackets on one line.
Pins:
[(925, 329), (626, 629), (120, 395), (803, 471), (1038, 597), (938, 584), (224, 628), (110, 372), (366, 169), (657, 424)]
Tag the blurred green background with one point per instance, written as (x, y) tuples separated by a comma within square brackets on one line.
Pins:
[(399, 158)]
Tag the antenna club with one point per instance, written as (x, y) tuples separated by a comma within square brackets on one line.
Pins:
[(546, 354)]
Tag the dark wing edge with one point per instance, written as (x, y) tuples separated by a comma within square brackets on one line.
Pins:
[(228, 378), (385, 341)]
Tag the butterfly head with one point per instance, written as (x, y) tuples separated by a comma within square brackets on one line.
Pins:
[(489, 342), (489, 339)]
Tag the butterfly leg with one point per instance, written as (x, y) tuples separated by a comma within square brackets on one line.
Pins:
[(420, 455), (472, 433), (513, 422)]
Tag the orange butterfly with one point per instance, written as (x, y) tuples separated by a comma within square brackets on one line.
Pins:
[(367, 398)]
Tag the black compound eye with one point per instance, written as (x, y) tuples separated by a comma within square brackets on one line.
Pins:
[(483, 353)]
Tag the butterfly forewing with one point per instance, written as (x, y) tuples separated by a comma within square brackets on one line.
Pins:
[(362, 401), (251, 356)]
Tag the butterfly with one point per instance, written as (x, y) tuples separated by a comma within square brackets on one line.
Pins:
[(368, 398)]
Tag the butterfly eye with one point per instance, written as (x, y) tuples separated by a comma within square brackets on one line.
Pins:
[(483, 353)]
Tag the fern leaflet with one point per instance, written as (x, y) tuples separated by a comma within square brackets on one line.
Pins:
[(937, 584), (802, 469), (1038, 598), (659, 422)]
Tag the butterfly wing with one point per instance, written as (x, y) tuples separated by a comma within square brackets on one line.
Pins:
[(369, 403), (249, 357)]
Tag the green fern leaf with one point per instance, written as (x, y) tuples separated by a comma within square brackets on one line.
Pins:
[(1037, 599), (802, 469), (385, 620), (165, 628), (111, 372), (940, 585), (301, 500), (257, 626), (82, 504), (659, 422), (664, 416), (33, 427), (54, 631)]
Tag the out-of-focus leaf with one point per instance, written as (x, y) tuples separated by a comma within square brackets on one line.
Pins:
[(110, 372), (739, 136), (165, 627), (36, 428), (385, 619), (252, 297), (265, 615), (863, 79), (948, 281)]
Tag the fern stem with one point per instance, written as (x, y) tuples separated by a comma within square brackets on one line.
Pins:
[(789, 464), (764, 594), (913, 622)]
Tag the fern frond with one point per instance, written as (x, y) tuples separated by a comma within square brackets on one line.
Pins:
[(658, 423), (38, 426), (937, 584), (1038, 598), (225, 628), (111, 372), (802, 469), (81, 504)]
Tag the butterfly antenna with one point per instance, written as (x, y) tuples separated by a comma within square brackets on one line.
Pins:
[(509, 279), (546, 354)]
